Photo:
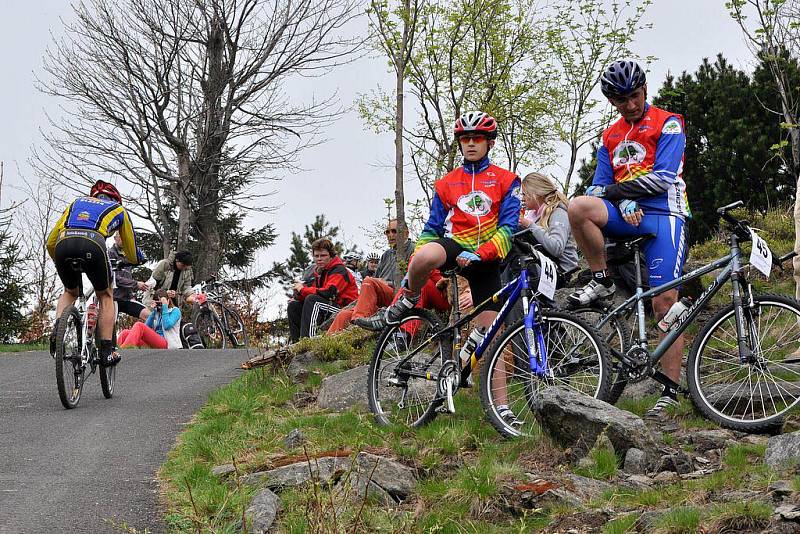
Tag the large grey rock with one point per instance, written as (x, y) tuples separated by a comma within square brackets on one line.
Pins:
[(322, 470), (223, 470), (635, 462), (393, 477), (587, 488), (293, 439), (345, 390), (356, 486), (298, 368), (706, 440), (675, 461), (783, 451), (575, 420), (262, 512)]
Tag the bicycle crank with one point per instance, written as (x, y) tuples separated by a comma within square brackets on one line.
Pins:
[(448, 381)]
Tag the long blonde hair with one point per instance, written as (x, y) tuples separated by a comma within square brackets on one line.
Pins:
[(543, 187)]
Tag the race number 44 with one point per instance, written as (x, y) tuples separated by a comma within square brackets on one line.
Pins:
[(547, 280), (761, 255)]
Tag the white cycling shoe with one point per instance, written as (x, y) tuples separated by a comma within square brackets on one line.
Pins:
[(591, 292)]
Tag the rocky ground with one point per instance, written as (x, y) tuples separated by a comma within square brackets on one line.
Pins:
[(599, 469)]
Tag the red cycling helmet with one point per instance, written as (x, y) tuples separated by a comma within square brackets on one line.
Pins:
[(104, 188), (476, 122)]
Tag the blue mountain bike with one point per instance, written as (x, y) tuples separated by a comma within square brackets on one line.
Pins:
[(416, 368)]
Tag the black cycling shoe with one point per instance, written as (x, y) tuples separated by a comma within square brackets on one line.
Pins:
[(110, 360), (108, 354)]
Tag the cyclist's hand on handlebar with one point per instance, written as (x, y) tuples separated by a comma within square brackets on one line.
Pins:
[(466, 257), (631, 212)]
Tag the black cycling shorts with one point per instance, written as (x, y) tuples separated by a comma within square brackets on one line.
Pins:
[(129, 307), (483, 276), (89, 247)]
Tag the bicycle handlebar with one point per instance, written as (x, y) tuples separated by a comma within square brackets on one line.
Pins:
[(742, 231)]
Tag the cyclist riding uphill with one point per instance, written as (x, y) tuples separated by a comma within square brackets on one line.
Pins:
[(638, 189), (80, 234), (473, 215)]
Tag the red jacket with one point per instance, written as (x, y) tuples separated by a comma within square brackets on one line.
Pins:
[(334, 283)]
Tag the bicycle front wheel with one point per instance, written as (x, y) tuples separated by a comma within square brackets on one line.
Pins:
[(395, 396), (751, 396), (577, 360), (69, 368), (209, 327)]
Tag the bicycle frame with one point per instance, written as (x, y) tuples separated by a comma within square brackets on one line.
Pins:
[(511, 293), (731, 266)]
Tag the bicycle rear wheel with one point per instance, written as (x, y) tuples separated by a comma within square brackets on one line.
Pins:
[(237, 332), (209, 327), (618, 338), (752, 396), (396, 398), (69, 369), (577, 359)]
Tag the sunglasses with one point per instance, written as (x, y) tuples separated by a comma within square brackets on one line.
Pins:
[(390, 231), (465, 139)]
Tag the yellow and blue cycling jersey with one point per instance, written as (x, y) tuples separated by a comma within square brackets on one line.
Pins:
[(99, 215)]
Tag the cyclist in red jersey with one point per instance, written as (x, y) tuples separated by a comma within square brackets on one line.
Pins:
[(637, 189)]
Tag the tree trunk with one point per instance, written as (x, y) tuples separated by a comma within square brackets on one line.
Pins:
[(184, 211), (399, 194)]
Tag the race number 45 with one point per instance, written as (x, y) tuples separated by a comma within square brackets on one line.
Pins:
[(761, 255)]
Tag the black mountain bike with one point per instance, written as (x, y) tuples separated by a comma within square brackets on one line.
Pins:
[(76, 355), (743, 369), (416, 368), (217, 323)]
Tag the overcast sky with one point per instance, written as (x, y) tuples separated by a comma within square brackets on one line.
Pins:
[(347, 177)]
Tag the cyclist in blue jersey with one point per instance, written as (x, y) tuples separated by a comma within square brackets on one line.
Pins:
[(80, 235)]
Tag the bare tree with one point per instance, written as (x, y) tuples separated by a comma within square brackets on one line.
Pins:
[(771, 30), (40, 205), (395, 29), (184, 100), (584, 37)]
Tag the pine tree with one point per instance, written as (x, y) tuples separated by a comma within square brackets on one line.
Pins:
[(12, 285)]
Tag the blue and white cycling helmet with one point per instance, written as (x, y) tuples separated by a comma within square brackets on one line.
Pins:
[(622, 78)]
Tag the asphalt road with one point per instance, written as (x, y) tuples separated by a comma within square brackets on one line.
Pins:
[(92, 469)]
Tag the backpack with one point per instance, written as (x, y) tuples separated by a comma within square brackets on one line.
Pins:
[(190, 337)]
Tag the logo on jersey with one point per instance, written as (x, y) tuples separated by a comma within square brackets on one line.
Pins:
[(83, 216), (671, 127), (476, 203), (628, 152)]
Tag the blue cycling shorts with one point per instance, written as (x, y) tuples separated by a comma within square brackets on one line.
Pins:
[(665, 253)]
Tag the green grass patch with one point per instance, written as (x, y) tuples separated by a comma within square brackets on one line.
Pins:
[(680, 520), (354, 344), (739, 516), (621, 525), (603, 464)]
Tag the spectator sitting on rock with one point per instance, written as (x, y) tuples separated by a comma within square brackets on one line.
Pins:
[(371, 268), (174, 274), (160, 331), (378, 291), (332, 288), (352, 261)]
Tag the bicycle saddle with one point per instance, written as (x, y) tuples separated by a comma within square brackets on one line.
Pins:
[(631, 241)]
